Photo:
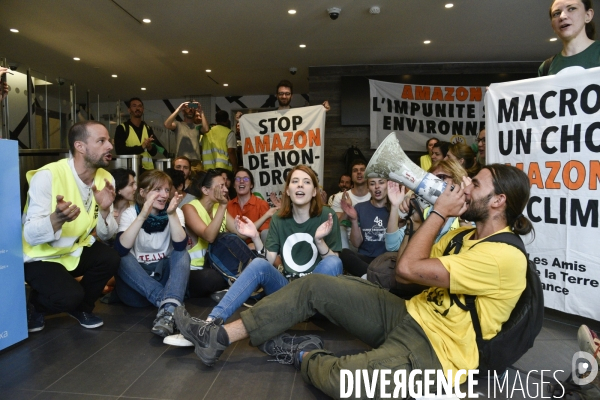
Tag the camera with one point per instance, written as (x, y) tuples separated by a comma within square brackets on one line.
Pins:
[(192, 105), (13, 66), (60, 81), (334, 12), (293, 70)]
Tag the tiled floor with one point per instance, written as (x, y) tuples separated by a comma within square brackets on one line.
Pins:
[(123, 360)]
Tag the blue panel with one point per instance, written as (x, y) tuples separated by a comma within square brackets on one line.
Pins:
[(13, 314)]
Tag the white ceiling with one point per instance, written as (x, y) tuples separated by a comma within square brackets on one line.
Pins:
[(251, 44)]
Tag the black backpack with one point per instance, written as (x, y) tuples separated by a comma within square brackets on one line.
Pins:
[(353, 153), (525, 322)]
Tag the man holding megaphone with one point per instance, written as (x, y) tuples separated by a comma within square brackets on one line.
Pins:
[(429, 331)]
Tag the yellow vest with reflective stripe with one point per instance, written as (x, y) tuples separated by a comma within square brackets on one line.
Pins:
[(214, 148), (198, 252), (133, 140), (75, 234)]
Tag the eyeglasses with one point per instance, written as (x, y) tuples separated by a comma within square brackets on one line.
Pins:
[(443, 176), (284, 94), (482, 140), (245, 179)]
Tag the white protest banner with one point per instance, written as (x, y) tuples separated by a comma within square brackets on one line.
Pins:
[(550, 128), (418, 113), (274, 142)]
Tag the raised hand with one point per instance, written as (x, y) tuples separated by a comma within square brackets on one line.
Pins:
[(106, 196), (324, 229), (222, 196), (147, 209), (395, 193), (347, 207), (275, 200), (65, 210), (246, 227), (174, 203)]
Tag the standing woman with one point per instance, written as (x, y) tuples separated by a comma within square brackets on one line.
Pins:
[(205, 218), (155, 265), (572, 22), (465, 156)]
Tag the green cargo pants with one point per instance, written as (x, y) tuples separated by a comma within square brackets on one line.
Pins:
[(372, 314)]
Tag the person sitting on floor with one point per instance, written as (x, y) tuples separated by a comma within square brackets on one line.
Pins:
[(65, 201), (304, 232), (125, 187), (246, 204), (430, 331), (369, 220), (155, 265)]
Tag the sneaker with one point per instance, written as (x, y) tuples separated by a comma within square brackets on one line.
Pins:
[(209, 338), (35, 320), (177, 340), (87, 319), (164, 323), (589, 342), (287, 348)]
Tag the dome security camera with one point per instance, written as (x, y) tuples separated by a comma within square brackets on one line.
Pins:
[(334, 12), (13, 66), (293, 70)]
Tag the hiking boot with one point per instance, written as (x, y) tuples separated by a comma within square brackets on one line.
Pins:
[(209, 338), (589, 342), (86, 319), (287, 348), (35, 320), (164, 322)]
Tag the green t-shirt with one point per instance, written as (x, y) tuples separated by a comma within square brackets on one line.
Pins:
[(296, 242), (589, 58)]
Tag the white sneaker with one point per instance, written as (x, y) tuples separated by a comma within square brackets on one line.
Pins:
[(177, 340), (589, 341)]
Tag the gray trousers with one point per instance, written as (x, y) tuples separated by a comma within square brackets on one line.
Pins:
[(372, 314)]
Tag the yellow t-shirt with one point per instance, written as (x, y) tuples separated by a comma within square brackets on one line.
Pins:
[(494, 272)]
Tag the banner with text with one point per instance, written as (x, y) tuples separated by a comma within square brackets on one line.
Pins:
[(550, 128), (274, 142), (418, 113)]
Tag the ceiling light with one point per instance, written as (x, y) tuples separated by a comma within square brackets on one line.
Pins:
[(143, 88), (449, 5), (553, 39), (427, 41), (209, 70), (184, 51), (292, 12), (226, 84), (146, 20), (14, 30), (114, 76), (302, 46), (76, 58)]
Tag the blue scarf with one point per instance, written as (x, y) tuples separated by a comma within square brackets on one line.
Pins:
[(154, 223)]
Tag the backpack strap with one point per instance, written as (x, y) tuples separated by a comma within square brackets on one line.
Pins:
[(456, 242), (546, 66), (503, 237)]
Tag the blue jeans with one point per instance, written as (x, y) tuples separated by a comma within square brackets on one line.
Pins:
[(136, 288), (261, 273)]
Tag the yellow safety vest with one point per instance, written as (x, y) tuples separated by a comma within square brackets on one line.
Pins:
[(214, 148), (75, 234), (133, 140), (198, 251)]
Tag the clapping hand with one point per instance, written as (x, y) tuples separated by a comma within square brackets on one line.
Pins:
[(106, 196), (246, 227), (65, 210), (325, 228), (174, 203)]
